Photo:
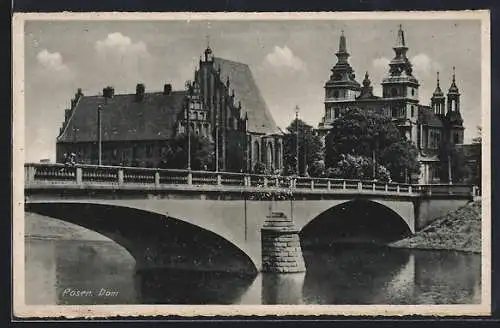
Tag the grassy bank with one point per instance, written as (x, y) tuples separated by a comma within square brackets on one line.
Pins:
[(459, 230)]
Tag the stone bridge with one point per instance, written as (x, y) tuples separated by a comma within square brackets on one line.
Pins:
[(227, 221)]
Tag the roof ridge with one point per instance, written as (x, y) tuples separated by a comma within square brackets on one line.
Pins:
[(133, 94), (233, 61), (73, 110)]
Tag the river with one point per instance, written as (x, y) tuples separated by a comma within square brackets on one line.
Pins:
[(90, 269)]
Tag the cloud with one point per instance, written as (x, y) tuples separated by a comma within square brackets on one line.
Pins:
[(424, 66), (52, 61), (284, 58), (120, 44), (122, 62), (381, 63)]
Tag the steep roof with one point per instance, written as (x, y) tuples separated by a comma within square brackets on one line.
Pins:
[(247, 92), (124, 118), (427, 117)]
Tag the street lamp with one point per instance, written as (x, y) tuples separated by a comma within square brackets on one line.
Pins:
[(99, 135), (214, 108), (189, 107), (297, 140), (374, 156)]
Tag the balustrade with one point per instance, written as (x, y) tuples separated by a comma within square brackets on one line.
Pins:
[(52, 173), (172, 177), (205, 178), (89, 174), (99, 175)]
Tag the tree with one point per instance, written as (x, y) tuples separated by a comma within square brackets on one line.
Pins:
[(477, 157), (452, 158), (202, 154), (310, 148), (357, 167), (369, 134)]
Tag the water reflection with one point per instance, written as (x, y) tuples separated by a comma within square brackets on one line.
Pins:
[(56, 270), (190, 287)]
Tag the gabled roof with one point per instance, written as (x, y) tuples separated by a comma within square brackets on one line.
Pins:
[(124, 118), (247, 92)]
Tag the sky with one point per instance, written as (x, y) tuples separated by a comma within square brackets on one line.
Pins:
[(290, 60)]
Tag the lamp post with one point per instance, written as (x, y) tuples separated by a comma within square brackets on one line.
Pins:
[(188, 127), (99, 135), (450, 180), (297, 139), (214, 107), (374, 157)]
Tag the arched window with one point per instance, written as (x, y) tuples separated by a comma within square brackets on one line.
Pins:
[(394, 92), (278, 155), (255, 152), (412, 91), (269, 156)]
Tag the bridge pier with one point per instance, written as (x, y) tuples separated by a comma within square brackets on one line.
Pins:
[(281, 250)]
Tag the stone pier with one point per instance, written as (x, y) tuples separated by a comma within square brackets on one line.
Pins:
[(281, 250)]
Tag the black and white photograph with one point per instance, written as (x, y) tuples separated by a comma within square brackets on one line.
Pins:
[(239, 163)]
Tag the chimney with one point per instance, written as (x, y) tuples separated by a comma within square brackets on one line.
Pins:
[(108, 92), (167, 89), (139, 91)]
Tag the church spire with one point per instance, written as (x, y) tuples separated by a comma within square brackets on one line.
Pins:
[(342, 54), (453, 87), (400, 65), (342, 43), (400, 42), (437, 92), (437, 99), (208, 50)]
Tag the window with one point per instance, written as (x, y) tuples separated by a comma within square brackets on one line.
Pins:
[(412, 91), (434, 172), (457, 138), (434, 138), (149, 150), (336, 112), (394, 92), (412, 110), (335, 93)]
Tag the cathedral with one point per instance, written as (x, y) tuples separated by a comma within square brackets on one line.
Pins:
[(222, 103), (428, 127)]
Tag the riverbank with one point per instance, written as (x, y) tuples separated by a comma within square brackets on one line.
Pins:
[(459, 231)]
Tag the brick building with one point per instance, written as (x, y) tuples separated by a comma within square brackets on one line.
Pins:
[(223, 102)]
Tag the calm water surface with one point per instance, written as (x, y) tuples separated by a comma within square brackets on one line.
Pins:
[(103, 273)]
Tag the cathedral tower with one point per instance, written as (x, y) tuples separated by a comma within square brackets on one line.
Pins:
[(453, 117), (400, 90), (341, 88), (438, 100)]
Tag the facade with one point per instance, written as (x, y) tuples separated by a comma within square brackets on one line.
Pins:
[(428, 127), (222, 103)]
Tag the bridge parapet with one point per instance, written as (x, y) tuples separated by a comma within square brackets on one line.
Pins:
[(39, 175)]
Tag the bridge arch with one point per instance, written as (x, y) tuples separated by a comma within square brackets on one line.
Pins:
[(357, 220), (153, 239)]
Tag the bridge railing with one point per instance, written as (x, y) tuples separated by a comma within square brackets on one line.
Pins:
[(38, 173)]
